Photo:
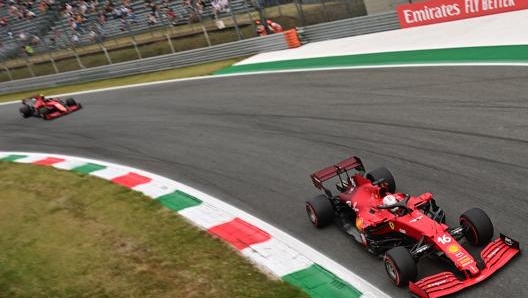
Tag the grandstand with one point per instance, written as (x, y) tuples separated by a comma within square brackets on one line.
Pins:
[(77, 22), (23, 24)]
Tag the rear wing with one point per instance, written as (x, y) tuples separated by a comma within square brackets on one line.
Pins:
[(342, 167)]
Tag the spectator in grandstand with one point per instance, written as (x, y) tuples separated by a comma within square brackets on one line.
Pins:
[(132, 18), (92, 34), (261, 30), (12, 11), (108, 6), (152, 6), (28, 14), (35, 40), (96, 33), (171, 16), (43, 7), (4, 21), (75, 39), (22, 36), (28, 50), (124, 25), (92, 6), (74, 25), (117, 13), (187, 5), (51, 4), (83, 7), (68, 9), (218, 6), (274, 27), (200, 6), (101, 17), (152, 20), (124, 10)]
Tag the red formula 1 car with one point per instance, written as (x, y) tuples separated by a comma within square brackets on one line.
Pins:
[(48, 108), (403, 229)]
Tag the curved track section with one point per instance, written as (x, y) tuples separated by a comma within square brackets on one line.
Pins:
[(459, 132)]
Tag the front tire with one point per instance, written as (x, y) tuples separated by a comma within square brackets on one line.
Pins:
[(386, 175), (70, 102), (478, 228), (320, 211), (400, 266)]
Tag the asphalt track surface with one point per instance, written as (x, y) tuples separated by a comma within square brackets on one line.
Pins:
[(252, 141)]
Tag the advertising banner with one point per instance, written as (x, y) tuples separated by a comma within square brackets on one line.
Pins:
[(438, 11)]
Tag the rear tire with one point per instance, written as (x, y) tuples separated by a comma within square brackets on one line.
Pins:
[(386, 175), (477, 225), (400, 266), (320, 211), (26, 111)]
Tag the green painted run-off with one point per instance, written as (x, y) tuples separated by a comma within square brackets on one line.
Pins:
[(320, 283), (488, 54)]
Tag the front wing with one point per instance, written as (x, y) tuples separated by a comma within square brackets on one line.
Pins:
[(56, 113), (495, 255)]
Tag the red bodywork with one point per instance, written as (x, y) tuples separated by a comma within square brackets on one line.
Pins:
[(365, 198), (55, 107)]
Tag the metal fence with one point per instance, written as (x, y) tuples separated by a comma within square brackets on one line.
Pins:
[(331, 30), (203, 55)]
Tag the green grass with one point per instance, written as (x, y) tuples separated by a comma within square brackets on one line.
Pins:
[(71, 235), (184, 72)]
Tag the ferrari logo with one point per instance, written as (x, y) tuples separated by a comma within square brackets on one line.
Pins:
[(391, 225)]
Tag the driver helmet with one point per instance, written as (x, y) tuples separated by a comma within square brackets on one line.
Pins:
[(390, 200)]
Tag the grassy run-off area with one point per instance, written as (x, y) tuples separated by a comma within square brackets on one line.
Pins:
[(71, 235), (184, 72), (66, 234)]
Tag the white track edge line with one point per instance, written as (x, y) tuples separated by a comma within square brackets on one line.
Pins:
[(432, 64)]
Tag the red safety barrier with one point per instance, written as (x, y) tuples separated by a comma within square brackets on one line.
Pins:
[(292, 39)]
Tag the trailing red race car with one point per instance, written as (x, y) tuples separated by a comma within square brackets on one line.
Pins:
[(48, 108), (403, 229)]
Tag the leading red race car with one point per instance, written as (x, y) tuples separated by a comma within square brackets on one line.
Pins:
[(403, 229), (48, 108)]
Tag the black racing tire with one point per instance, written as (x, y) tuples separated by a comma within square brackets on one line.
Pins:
[(400, 266), (320, 211), (477, 226), (44, 112), (70, 102), (26, 111), (386, 175)]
